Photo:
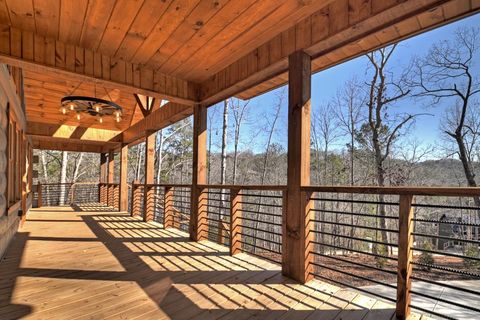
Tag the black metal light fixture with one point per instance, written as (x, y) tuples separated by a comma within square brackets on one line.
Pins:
[(94, 107), (91, 106)]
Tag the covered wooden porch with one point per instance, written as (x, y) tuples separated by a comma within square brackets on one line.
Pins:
[(109, 257), (86, 262)]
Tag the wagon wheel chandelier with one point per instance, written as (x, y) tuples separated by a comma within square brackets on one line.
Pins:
[(90, 106)]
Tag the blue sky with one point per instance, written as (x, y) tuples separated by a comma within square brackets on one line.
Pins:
[(326, 83)]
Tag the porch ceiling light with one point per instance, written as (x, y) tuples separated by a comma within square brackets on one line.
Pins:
[(91, 106)]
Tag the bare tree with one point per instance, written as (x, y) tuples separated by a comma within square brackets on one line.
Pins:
[(266, 157), (446, 74), (239, 114), (159, 155), (63, 177), (349, 101), (211, 117), (223, 162), (348, 110), (325, 133), (379, 133)]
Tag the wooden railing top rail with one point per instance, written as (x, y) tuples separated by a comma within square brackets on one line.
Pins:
[(416, 191)]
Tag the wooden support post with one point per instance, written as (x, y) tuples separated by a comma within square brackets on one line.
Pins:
[(123, 194), (111, 173), (198, 204), (296, 246), (235, 221), (39, 195), (149, 192), (168, 208), (103, 178), (405, 256)]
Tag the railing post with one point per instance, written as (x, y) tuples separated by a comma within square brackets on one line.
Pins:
[(198, 207), (235, 221), (148, 203), (103, 178), (39, 195), (134, 205), (405, 256), (168, 208)]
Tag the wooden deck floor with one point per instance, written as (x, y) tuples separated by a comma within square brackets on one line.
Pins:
[(82, 264)]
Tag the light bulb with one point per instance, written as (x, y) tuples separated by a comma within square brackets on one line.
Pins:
[(117, 114), (118, 119), (78, 116), (71, 106), (100, 119), (98, 108), (64, 110)]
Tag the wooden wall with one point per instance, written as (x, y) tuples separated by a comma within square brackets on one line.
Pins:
[(14, 191)]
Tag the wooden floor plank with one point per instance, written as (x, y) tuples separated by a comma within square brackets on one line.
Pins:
[(85, 263)]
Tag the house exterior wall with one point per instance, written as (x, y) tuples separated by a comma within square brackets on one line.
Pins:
[(10, 217)]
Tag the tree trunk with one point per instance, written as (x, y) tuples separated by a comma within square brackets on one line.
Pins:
[(63, 177), (223, 161), (223, 171), (78, 163), (139, 163), (159, 157), (45, 177), (467, 166)]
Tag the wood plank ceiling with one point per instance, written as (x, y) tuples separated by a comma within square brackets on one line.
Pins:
[(204, 42), (188, 39)]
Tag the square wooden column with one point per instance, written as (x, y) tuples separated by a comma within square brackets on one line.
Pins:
[(198, 204), (149, 191), (111, 172), (296, 246), (123, 196), (103, 178)]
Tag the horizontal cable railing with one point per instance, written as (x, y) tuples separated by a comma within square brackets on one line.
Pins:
[(247, 218), (168, 204), (359, 241), (355, 241), (61, 194), (178, 207), (217, 208), (261, 223), (446, 256)]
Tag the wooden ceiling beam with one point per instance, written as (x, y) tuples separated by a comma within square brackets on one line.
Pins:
[(70, 144), (146, 105), (334, 34), (37, 53), (158, 119)]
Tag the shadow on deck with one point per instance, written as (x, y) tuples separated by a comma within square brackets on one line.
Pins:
[(82, 263)]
